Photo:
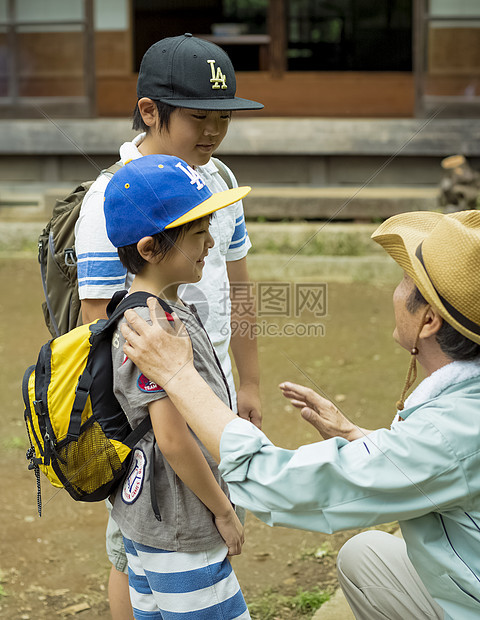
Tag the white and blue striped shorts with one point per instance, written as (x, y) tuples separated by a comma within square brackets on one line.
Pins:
[(173, 585)]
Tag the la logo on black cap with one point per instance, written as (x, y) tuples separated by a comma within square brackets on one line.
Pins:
[(217, 78)]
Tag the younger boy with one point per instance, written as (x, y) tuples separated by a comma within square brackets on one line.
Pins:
[(157, 214)]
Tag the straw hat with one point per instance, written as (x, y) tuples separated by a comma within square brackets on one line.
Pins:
[(441, 253)]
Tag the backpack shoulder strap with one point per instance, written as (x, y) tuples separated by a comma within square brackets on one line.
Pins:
[(120, 302), (113, 168), (99, 332), (223, 172), (134, 300)]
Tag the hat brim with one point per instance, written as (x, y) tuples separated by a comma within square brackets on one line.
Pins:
[(237, 103), (400, 236), (214, 203)]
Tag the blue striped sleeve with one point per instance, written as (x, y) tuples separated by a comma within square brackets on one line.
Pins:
[(240, 234), (100, 269)]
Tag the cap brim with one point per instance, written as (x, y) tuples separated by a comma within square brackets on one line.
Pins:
[(214, 203), (400, 237), (214, 104)]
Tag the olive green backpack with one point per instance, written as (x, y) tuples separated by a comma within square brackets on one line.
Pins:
[(58, 261)]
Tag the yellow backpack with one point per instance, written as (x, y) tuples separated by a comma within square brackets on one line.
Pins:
[(79, 435)]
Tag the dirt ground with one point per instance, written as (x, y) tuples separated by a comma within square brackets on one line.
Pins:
[(55, 566)]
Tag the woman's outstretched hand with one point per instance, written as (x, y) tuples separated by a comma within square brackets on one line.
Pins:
[(320, 412)]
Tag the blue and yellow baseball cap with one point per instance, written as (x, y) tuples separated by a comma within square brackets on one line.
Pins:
[(156, 192)]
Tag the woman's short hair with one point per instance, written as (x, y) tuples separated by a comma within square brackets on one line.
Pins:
[(164, 113), (454, 344)]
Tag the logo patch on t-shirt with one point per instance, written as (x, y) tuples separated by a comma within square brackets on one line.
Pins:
[(132, 486), (145, 385)]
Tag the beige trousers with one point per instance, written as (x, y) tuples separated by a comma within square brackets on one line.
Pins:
[(380, 582)]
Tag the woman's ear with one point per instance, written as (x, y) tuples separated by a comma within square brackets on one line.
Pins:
[(431, 324), (148, 111), (146, 247)]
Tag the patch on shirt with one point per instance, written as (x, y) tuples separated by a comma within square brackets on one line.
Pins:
[(145, 385), (132, 487)]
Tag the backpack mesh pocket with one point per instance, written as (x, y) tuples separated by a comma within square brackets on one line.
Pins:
[(89, 468)]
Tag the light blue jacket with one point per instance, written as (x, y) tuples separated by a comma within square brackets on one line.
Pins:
[(423, 472)]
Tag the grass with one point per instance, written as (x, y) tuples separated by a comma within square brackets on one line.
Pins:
[(312, 239), (14, 443), (19, 237), (346, 244), (272, 605), (309, 601), (3, 580)]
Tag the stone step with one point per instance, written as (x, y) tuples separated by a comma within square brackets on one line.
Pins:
[(338, 203), (28, 201)]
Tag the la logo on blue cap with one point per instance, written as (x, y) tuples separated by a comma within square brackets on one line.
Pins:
[(192, 175)]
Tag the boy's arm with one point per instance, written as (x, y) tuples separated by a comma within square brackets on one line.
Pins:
[(182, 452), (93, 309), (100, 272), (244, 342)]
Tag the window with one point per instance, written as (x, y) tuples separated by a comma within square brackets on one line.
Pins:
[(447, 59), (46, 57), (349, 35), (238, 26)]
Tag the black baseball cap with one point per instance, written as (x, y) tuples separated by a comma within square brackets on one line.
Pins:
[(188, 72)]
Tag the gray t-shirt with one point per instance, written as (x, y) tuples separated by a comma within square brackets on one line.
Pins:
[(187, 524)]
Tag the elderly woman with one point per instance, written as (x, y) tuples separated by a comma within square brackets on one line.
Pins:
[(424, 471)]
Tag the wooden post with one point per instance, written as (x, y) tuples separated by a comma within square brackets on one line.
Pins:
[(90, 83), (12, 54), (419, 52), (277, 29)]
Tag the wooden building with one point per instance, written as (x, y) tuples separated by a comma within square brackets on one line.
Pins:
[(301, 58)]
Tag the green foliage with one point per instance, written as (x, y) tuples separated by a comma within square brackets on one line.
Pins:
[(309, 601), (266, 607), (272, 605), (14, 443)]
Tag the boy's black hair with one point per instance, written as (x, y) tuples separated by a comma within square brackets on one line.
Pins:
[(454, 344), (164, 242), (164, 113)]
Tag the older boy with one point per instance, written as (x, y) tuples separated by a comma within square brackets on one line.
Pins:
[(173, 508), (185, 112)]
